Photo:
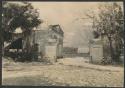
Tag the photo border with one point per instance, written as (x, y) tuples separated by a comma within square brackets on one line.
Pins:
[(1, 40)]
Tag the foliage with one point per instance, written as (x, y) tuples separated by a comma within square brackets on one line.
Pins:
[(96, 34), (20, 14), (109, 24)]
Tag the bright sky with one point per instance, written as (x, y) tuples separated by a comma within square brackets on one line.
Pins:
[(65, 14)]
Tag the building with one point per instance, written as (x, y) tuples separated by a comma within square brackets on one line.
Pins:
[(49, 43)]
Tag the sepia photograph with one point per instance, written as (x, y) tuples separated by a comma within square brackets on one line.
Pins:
[(63, 43)]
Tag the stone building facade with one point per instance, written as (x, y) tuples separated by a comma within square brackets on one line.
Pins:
[(49, 42)]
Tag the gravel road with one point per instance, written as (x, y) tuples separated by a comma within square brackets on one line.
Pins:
[(61, 74)]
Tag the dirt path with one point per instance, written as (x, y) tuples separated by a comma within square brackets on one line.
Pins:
[(84, 62), (60, 74)]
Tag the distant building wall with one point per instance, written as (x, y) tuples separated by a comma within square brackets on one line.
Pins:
[(70, 50), (83, 49)]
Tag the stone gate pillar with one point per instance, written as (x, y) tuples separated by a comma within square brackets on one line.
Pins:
[(96, 51)]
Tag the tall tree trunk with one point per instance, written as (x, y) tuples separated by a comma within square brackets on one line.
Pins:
[(1, 43), (118, 48), (27, 40)]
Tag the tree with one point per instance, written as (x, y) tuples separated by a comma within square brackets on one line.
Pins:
[(21, 14), (96, 34), (109, 24), (18, 14)]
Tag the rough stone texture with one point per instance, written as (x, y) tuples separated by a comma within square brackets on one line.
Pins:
[(50, 42), (96, 51)]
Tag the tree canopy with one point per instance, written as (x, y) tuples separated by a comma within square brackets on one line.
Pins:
[(109, 24), (19, 14)]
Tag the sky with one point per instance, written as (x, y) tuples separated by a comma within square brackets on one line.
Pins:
[(67, 14)]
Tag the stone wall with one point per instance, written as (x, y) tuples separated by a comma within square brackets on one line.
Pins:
[(96, 51), (40, 38), (49, 41)]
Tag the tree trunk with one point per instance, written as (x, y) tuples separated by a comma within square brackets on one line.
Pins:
[(118, 48), (27, 36), (1, 43)]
